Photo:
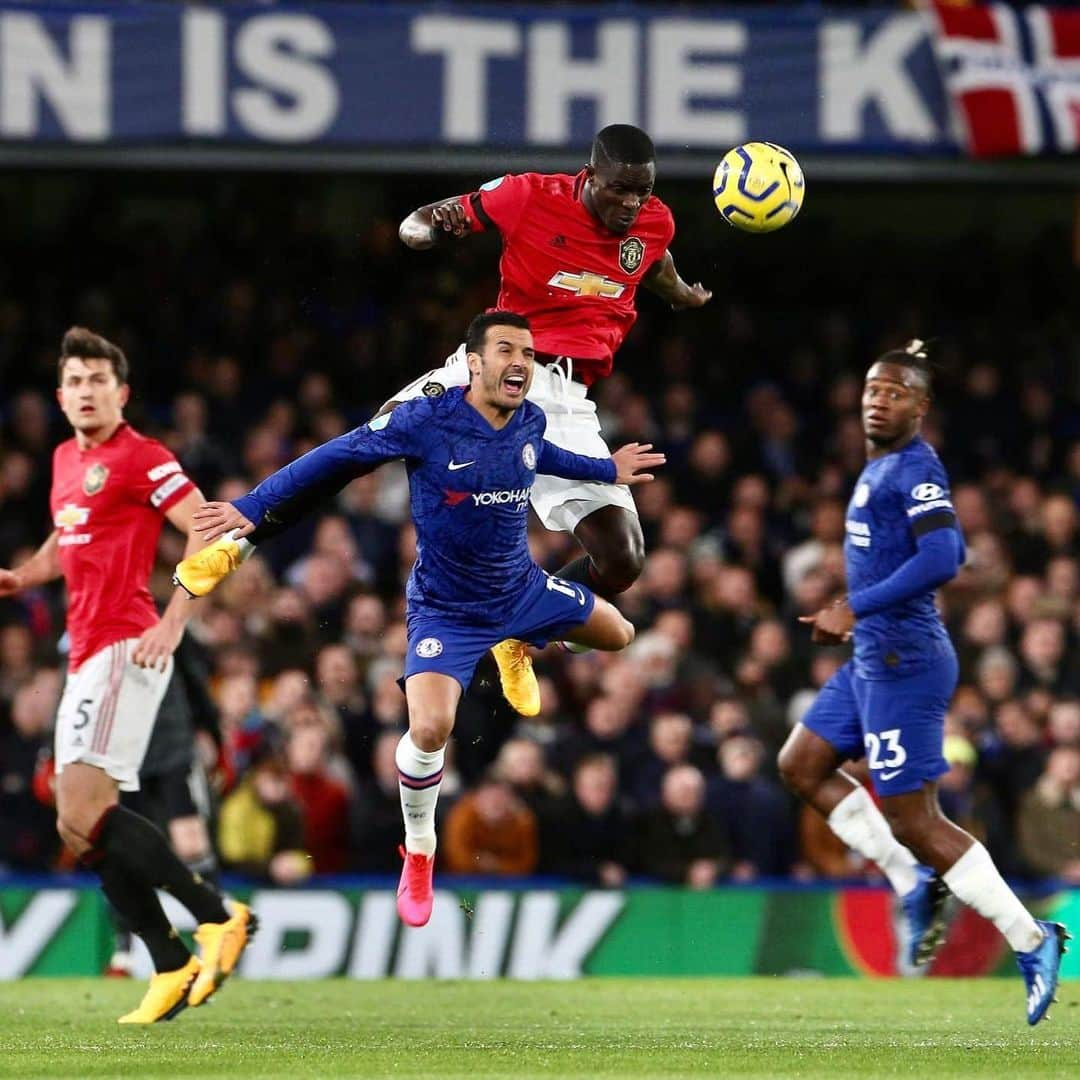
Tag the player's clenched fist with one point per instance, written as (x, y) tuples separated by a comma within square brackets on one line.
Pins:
[(214, 519), (632, 457), (450, 217)]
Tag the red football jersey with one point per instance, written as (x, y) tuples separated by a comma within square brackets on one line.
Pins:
[(570, 276), (108, 504)]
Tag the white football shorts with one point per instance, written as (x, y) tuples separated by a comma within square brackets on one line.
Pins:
[(107, 713), (572, 424)]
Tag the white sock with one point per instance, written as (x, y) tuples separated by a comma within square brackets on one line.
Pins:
[(862, 826), (974, 879), (419, 778)]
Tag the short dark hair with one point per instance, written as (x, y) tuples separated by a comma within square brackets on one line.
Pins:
[(916, 354), (78, 341), (622, 144), (478, 328)]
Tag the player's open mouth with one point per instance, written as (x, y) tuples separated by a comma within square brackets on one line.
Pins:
[(514, 384)]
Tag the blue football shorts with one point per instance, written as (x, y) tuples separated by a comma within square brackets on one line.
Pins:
[(899, 724), (548, 610)]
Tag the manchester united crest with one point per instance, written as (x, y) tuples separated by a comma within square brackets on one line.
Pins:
[(631, 254), (95, 478)]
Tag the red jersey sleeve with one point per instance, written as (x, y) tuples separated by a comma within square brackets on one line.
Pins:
[(158, 478), (666, 228), (500, 203)]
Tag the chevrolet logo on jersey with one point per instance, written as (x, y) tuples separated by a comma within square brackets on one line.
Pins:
[(70, 515), (586, 284)]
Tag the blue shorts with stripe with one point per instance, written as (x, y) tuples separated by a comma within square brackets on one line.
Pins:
[(899, 724), (548, 609)]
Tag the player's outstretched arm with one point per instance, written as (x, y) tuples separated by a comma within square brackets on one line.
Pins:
[(41, 567), (623, 467), (301, 484), (664, 280), (630, 459), (423, 227), (159, 642)]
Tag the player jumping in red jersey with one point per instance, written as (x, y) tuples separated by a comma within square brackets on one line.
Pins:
[(575, 250), (111, 490)]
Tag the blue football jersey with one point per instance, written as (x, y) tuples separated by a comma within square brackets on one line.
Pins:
[(898, 498), (469, 485)]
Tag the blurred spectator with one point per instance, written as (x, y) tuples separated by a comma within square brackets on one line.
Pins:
[(520, 765), (585, 836), (678, 841), (670, 743), (489, 830), (323, 799), (378, 830), (261, 828), (755, 811), (28, 839), (1049, 820)]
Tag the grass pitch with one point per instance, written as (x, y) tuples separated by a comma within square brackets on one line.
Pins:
[(600, 1027)]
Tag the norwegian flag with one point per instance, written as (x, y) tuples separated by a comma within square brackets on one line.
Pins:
[(1013, 77)]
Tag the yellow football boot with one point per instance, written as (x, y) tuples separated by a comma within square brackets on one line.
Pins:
[(220, 946), (166, 996), (519, 685), (202, 572)]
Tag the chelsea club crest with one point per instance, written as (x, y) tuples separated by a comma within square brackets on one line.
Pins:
[(528, 455), (95, 478)]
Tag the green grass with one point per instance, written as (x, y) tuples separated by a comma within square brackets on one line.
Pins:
[(600, 1027)]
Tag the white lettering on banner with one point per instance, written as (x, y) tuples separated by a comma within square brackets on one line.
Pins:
[(32, 68), (514, 934), (203, 74), (326, 917), (853, 74), (376, 926), (294, 99), (495, 913), (542, 953), (555, 79), (279, 52), (466, 45), (22, 942), (682, 67)]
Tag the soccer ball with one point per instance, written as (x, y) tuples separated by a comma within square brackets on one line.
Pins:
[(758, 187)]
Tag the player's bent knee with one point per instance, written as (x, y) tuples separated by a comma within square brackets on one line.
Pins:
[(797, 778), (430, 733)]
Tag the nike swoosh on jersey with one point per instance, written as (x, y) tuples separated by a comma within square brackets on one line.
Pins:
[(454, 466), (890, 775)]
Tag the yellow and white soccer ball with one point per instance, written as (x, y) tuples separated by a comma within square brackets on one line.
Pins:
[(758, 187)]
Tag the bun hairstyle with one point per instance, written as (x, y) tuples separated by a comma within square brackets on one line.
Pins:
[(917, 355)]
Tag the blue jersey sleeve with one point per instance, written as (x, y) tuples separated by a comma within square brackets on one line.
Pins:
[(393, 435), (924, 492), (923, 489), (554, 461), (936, 560)]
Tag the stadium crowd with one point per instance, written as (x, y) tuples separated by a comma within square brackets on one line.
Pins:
[(250, 344)]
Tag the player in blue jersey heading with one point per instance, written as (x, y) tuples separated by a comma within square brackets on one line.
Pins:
[(472, 454), (889, 701)]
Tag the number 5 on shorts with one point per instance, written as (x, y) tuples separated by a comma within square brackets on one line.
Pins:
[(889, 741)]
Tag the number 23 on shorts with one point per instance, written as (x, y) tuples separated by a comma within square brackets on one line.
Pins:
[(884, 752)]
